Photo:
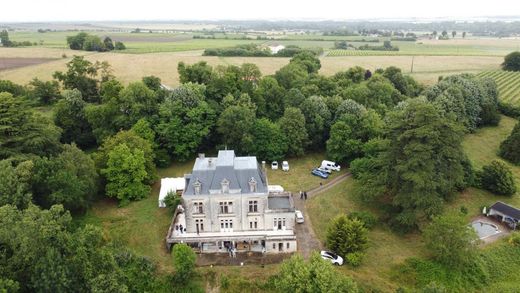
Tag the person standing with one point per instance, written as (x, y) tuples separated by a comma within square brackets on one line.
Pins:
[(305, 195), (301, 194)]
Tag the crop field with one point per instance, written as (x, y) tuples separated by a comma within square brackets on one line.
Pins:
[(508, 85)]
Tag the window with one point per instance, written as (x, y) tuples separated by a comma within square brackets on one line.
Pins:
[(288, 245), (199, 225), (274, 245), (253, 206), (226, 207), (198, 207), (279, 223), (225, 185), (226, 224), (253, 224)]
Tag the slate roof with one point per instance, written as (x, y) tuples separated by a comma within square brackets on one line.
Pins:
[(506, 209), (279, 203), (211, 171)]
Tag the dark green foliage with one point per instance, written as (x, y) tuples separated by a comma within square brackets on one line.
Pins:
[(70, 116), (185, 121), (119, 46), (421, 165), (108, 44), (268, 98), (350, 133), (23, 132), (245, 50), (512, 61), (45, 92), (15, 186), (93, 43), (76, 42), (172, 200), (152, 82), (235, 125), (88, 42), (451, 241), (498, 178), (69, 179), (317, 119), (347, 235), (367, 218), (292, 124), (292, 75), (268, 142), (308, 60), (183, 261), (403, 83), (316, 275), (12, 88), (85, 76), (510, 147), (42, 253), (126, 174)]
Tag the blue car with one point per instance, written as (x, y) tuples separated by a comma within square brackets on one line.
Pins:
[(319, 173)]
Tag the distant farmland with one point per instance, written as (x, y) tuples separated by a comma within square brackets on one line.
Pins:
[(508, 85)]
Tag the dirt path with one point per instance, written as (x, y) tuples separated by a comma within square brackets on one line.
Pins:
[(307, 240)]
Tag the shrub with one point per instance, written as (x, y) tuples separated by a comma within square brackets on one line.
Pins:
[(512, 62), (498, 178), (510, 148), (172, 200), (514, 239), (367, 218), (346, 235), (183, 261), (354, 259)]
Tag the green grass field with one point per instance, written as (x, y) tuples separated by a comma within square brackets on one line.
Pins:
[(508, 83)]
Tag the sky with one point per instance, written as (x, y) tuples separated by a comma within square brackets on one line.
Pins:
[(103, 10)]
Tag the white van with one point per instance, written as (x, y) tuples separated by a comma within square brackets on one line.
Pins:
[(285, 166), (330, 165)]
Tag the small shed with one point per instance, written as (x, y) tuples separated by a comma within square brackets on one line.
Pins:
[(505, 213), (170, 185)]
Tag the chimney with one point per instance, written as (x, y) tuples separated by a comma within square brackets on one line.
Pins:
[(202, 156)]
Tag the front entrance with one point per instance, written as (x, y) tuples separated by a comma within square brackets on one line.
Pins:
[(280, 246)]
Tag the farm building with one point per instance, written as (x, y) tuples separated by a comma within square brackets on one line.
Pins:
[(505, 213), (276, 48), (170, 185)]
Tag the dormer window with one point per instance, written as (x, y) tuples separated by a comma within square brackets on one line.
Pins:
[(252, 185), (225, 185), (197, 185)]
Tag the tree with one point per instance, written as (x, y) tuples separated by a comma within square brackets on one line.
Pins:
[(12, 88), (267, 141), (463, 35), (185, 121), (93, 43), (183, 261), (346, 236), (108, 44), (512, 61), (134, 102), (350, 132), (15, 186), (126, 174), (134, 142), (498, 178), (308, 60), (451, 241), (69, 179), (70, 116), (76, 42), (421, 164), (510, 147), (199, 72), (234, 126), (119, 46), (292, 75), (453, 34), (45, 92), (268, 98), (444, 34), (4, 39), (152, 82), (292, 125), (317, 119), (23, 132), (317, 275), (85, 76)]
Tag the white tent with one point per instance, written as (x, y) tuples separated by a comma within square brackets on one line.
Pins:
[(170, 184)]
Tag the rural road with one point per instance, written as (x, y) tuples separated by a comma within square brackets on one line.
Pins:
[(307, 240)]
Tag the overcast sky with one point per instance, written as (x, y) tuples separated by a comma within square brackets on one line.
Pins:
[(74, 10)]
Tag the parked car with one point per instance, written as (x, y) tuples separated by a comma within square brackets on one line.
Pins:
[(285, 166), (274, 165), (328, 171), (319, 173), (332, 257), (330, 165), (299, 217)]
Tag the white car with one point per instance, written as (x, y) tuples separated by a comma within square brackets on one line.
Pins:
[(330, 165), (274, 165), (332, 257), (299, 217), (285, 166)]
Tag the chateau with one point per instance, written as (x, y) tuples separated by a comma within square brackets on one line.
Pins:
[(226, 204)]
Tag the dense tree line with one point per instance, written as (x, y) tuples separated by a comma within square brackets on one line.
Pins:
[(253, 50), (87, 42)]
